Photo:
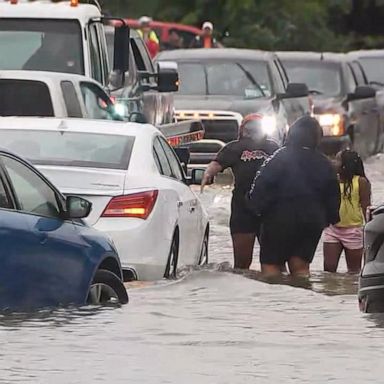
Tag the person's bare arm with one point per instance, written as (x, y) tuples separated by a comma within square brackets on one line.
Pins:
[(365, 194), (212, 170)]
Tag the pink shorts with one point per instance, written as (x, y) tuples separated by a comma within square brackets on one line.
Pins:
[(350, 238)]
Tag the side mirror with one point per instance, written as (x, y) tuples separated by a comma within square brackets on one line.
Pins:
[(121, 49), (296, 90), (362, 92), (167, 76), (197, 175), (77, 207)]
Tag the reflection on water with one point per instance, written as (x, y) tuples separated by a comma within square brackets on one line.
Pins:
[(212, 326)]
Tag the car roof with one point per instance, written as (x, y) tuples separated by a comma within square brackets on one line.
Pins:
[(367, 53), (311, 56), (216, 54), (78, 125), (49, 10), (43, 76)]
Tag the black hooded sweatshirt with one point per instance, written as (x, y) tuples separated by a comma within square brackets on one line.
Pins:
[(298, 183)]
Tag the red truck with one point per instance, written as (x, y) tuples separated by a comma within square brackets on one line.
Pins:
[(186, 32)]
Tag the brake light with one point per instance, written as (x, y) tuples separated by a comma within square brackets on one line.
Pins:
[(13, 1), (139, 205), (74, 3)]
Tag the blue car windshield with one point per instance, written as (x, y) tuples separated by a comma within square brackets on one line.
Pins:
[(76, 149)]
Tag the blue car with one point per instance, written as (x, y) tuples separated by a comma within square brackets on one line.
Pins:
[(48, 255)]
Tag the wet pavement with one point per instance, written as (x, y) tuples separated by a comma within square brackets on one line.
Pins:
[(211, 326)]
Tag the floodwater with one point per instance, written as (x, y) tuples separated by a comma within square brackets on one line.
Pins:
[(212, 326)]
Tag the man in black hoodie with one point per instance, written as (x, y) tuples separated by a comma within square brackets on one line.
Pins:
[(297, 195)]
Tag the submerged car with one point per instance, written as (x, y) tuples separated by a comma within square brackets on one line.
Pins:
[(371, 282), (48, 255), (140, 194), (344, 103), (221, 86)]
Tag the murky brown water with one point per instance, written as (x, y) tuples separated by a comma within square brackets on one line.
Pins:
[(211, 326)]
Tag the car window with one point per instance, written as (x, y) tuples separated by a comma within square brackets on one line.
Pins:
[(374, 69), (97, 103), (161, 159), (351, 79), (97, 72), (71, 99), (173, 160), (192, 79), (321, 77), (148, 65), (5, 201), (246, 79), (25, 98), (32, 193), (30, 44), (140, 64), (103, 53), (70, 149), (280, 77), (360, 76)]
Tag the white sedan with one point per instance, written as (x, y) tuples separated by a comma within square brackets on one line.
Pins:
[(140, 195)]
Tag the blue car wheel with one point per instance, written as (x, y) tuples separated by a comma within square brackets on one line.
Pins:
[(106, 288)]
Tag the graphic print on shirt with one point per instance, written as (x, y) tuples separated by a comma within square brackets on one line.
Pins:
[(253, 155)]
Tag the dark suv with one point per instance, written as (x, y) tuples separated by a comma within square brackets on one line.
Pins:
[(221, 86), (344, 103)]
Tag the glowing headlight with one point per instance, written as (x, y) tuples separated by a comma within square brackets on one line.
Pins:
[(120, 109), (269, 124), (332, 124)]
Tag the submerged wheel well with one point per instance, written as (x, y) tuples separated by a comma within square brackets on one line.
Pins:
[(110, 264)]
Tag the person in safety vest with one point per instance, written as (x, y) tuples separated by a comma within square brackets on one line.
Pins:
[(149, 36), (205, 39), (245, 157)]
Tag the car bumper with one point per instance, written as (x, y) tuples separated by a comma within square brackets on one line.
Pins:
[(332, 145), (142, 247)]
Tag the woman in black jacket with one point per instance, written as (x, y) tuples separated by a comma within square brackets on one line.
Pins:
[(297, 195)]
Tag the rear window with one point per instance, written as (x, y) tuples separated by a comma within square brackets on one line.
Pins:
[(25, 98), (69, 148)]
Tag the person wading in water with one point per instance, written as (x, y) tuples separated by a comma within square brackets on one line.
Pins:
[(347, 234), (245, 157), (297, 195)]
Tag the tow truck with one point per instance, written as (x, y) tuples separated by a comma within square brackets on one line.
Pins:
[(69, 37)]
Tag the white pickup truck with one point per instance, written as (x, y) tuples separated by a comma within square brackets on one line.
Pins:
[(49, 94)]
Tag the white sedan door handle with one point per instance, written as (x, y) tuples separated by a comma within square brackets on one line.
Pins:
[(179, 204)]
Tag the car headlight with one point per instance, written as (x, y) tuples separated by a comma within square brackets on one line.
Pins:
[(269, 124), (120, 109), (332, 124)]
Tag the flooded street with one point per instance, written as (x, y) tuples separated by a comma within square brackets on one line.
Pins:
[(211, 326)]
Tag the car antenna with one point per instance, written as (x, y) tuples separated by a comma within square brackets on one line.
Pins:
[(321, 56)]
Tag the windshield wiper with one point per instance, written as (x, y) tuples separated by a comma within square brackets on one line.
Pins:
[(251, 79)]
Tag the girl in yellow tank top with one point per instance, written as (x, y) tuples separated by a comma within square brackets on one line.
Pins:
[(347, 234)]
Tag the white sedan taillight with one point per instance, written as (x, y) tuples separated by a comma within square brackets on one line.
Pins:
[(139, 205)]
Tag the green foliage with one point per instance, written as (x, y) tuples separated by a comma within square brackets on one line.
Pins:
[(263, 24)]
